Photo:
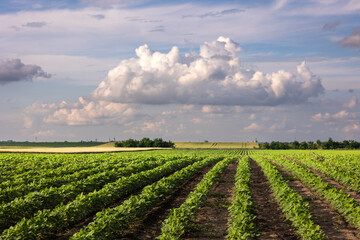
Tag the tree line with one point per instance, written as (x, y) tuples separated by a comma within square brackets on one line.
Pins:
[(329, 144), (145, 142)]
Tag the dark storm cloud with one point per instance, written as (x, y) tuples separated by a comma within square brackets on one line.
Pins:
[(13, 70)]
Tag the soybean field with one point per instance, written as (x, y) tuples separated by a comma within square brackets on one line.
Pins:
[(181, 194)]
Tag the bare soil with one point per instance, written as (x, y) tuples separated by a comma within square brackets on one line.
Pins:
[(150, 226), (211, 220), (270, 220)]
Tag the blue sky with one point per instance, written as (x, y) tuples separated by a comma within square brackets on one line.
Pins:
[(180, 70)]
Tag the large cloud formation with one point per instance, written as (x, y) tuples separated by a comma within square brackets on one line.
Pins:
[(13, 70), (214, 77)]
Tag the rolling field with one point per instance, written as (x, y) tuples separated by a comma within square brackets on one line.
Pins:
[(181, 194)]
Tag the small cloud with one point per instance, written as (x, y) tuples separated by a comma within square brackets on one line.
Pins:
[(215, 14), (98, 16), (34, 24), (196, 120), (320, 117), (28, 122), (44, 133), (158, 29), (143, 20), (331, 26), (252, 127), (252, 117), (353, 102), (13, 70), (327, 117), (341, 115), (352, 128), (85, 113), (180, 129), (353, 40), (153, 126), (111, 3)]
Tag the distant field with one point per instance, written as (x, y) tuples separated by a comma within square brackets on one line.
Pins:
[(216, 145), (74, 147), (50, 144)]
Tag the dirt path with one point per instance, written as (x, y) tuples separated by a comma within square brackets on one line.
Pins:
[(331, 222), (270, 220), (211, 220), (150, 226)]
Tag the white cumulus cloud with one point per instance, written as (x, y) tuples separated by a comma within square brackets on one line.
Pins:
[(84, 112), (213, 77)]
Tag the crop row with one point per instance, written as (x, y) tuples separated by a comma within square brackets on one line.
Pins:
[(111, 223), (241, 211), (346, 177), (45, 224), (296, 209), (345, 204), (77, 168), (12, 212), (11, 193), (174, 226)]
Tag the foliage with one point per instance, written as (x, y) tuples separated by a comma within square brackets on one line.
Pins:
[(174, 226), (296, 209), (345, 204), (241, 211), (145, 142), (111, 223), (329, 144)]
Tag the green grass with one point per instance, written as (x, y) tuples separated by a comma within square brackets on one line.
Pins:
[(217, 145)]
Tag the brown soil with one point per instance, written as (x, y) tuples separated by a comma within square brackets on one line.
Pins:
[(270, 220), (333, 225), (211, 220), (150, 226)]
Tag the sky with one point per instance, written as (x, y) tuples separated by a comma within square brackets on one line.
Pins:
[(91, 70)]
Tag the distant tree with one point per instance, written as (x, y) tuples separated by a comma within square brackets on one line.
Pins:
[(295, 145), (311, 145), (303, 145), (329, 144), (130, 143), (145, 142), (318, 144)]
